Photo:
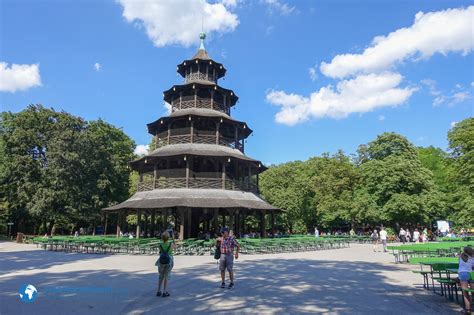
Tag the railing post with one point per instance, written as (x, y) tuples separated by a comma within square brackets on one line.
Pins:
[(155, 176), (223, 174), (187, 172), (195, 97), (212, 99), (169, 132)]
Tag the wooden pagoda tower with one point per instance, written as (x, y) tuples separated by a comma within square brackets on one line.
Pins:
[(197, 173)]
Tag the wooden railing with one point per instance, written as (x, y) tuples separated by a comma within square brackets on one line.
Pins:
[(200, 102), (200, 138), (211, 183), (199, 76)]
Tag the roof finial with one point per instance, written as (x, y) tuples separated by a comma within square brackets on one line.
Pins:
[(202, 36)]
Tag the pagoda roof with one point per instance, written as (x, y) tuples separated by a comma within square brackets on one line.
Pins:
[(198, 112), (196, 149), (201, 54), (194, 198)]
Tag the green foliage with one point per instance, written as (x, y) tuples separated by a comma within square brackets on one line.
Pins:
[(390, 182), (60, 169)]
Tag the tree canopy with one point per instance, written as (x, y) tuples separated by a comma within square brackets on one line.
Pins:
[(60, 170)]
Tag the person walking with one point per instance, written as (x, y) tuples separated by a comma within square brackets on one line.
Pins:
[(165, 263), (403, 236), (227, 246), (466, 266), (416, 236), (383, 239), (408, 236), (375, 239), (316, 232)]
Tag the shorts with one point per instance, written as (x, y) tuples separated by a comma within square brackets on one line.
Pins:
[(164, 271), (464, 276), (226, 262)]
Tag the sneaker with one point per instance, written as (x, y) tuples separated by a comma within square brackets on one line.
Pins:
[(158, 293), (231, 285), (222, 285), (165, 294)]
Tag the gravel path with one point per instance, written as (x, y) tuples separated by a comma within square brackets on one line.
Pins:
[(342, 281)]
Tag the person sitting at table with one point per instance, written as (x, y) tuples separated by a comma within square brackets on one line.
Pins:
[(466, 266)]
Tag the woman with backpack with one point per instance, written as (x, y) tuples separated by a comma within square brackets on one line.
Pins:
[(165, 263)]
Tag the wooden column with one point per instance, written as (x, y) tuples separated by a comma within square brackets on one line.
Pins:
[(139, 221), (153, 222), (188, 222), (169, 133), (249, 177), (164, 219), (192, 130), (223, 219), (215, 219), (105, 224), (236, 134), (262, 224), (118, 223), (155, 176), (181, 223), (223, 174), (218, 126), (272, 213), (212, 99), (180, 99), (195, 97), (243, 223), (187, 172)]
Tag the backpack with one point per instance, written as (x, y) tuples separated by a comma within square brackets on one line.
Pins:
[(165, 258), (217, 253)]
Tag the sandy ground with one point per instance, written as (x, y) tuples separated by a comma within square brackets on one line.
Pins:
[(342, 281)]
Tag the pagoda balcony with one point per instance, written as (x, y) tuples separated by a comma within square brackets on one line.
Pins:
[(201, 138), (191, 182), (199, 76), (199, 102)]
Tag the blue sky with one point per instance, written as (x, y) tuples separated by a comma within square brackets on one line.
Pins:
[(309, 74)]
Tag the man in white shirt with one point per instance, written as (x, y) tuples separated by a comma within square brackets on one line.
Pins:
[(316, 232), (383, 238)]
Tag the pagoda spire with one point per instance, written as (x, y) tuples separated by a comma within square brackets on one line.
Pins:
[(202, 37)]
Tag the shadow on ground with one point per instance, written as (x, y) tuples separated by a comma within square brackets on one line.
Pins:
[(262, 286)]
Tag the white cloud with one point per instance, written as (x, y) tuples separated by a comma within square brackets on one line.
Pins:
[(18, 77), (434, 32), (279, 6), (179, 21), (97, 66), (359, 95), (381, 117), (313, 73), (453, 123), (457, 95), (230, 3), (472, 84), (460, 97), (141, 149)]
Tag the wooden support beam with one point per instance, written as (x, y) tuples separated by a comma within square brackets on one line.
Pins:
[(118, 223), (218, 126), (139, 221), (188, 222), (153, 222), (181, 223), (263, 232), (273, 222), (223, 174)]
